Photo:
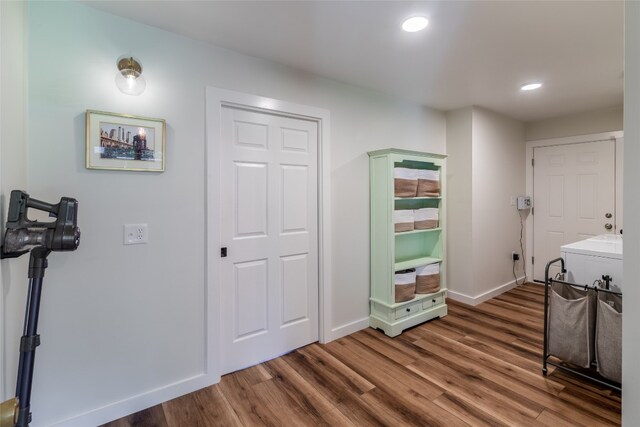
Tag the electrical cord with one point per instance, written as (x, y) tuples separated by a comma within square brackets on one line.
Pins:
[(515, 277), (524, 268)]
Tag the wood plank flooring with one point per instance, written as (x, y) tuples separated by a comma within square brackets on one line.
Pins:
[(478, 366)]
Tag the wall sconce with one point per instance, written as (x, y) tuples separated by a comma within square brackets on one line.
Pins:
[(129, 76)]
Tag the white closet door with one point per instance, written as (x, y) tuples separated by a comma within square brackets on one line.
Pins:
[(573, 197), (269, 287)]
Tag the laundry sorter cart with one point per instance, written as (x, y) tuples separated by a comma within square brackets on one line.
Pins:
[(583, 327)]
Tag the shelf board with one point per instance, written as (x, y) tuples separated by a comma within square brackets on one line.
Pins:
[(417, 198), (428, 230), (417, 262)]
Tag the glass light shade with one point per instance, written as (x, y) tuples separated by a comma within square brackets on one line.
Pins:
[(414, 24), (531, 86), (130, 82), (128, 78)]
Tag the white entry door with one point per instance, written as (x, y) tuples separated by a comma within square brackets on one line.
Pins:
[(573, 197), (269, 225)]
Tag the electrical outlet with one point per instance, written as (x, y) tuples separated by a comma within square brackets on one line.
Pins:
[(135, 234), (514, 199), (515, 256)]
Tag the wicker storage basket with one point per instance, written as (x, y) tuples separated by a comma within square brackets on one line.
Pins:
[(405, 182), (403, 220), (426, 218), (428, 279), (609, 336), (405, 285), (428, 183), (572, 315)]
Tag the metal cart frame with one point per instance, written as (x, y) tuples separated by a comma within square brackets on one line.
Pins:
[(545, 356)]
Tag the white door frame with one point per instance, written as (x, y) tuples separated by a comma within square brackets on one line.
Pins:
[(216, 99), (530, 145)]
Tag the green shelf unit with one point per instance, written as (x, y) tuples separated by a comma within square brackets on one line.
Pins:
[(391, 251), (407, 233), (416, 198), (418, 297), (417, 203), (417, 262)]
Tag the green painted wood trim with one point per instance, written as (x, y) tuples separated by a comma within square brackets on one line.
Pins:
[(417, 262), (427, 230), (418, 297), (417, 198), (406, 152)]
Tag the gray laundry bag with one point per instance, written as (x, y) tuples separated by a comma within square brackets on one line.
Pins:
[(572, 321), (609, 336)]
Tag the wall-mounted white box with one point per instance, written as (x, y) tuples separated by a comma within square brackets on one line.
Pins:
[(136, 234)]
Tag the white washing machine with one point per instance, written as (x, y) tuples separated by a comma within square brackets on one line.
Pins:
[(590, 259)]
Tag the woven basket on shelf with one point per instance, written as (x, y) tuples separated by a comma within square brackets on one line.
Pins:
[(405, 285), (428, 183), (403, 220), (428, 279), (405, 182), (425, 218)]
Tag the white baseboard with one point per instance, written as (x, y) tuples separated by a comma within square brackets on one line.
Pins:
[(137, 403), (349, 328), (466, 299)]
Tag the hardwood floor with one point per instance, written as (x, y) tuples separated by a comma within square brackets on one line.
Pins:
[(478, 366)]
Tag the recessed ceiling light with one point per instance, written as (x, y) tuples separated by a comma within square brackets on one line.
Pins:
[(531, 86), (416, 23)]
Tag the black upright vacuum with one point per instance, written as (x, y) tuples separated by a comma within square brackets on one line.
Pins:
[(40, 239)]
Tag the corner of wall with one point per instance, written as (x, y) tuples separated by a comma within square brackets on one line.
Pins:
[(631, 267), (13, 106), (459, 160), (486, 150)]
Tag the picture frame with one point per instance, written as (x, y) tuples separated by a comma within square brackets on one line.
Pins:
[(124, 142)]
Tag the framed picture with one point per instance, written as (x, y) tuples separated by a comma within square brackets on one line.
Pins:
[(124, 142)]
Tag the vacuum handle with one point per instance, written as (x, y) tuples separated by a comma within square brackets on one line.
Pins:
[(18, 205), (65, 210), (42, 206), (62, 234)]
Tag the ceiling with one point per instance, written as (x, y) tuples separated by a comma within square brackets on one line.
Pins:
[(472, 53)]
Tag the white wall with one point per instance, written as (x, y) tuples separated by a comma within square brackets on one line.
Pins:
[(13, 277), (631, 272), (120, 321), (486, 151), (498, 152), (605, 120), (459, 207)]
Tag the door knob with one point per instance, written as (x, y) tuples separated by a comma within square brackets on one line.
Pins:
[(608, 215), (608, 226)]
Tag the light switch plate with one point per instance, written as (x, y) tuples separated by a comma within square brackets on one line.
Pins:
[(136, 234)]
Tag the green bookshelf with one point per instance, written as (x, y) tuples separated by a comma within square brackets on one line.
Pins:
[(391, 251)]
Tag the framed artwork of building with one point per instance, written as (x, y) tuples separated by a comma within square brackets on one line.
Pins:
[(124, 142)]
